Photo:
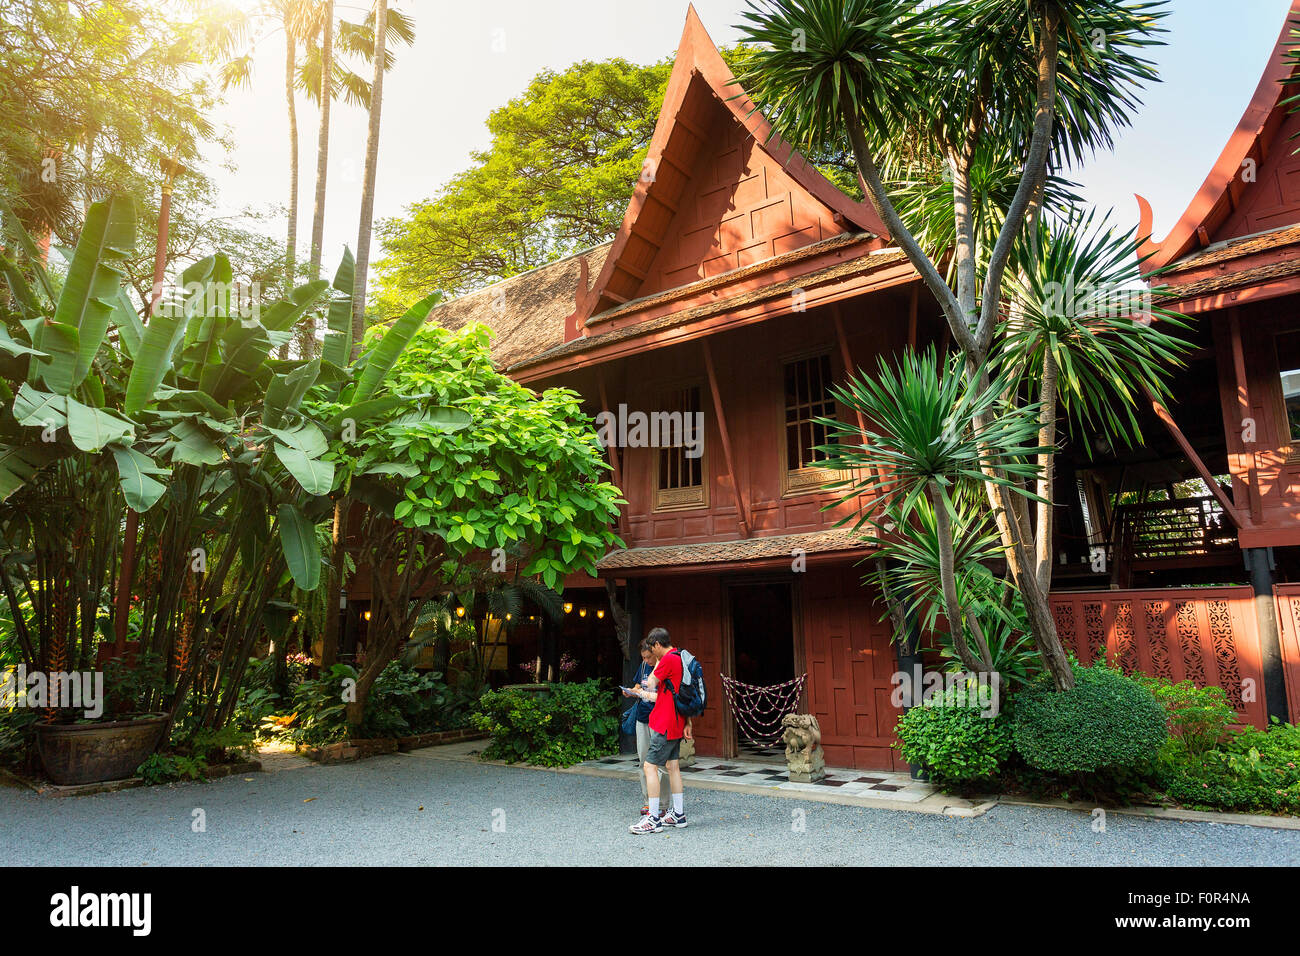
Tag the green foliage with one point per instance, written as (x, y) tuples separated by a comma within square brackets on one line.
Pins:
[(556, 179), (526, 475), (566, 725), (1076, 283), (1252, 771), (404, 701), (952, 741), (165, 768), (1106, 722), (320, 707), (128, 688), (1199, 717)]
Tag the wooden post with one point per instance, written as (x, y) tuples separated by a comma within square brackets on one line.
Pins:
[(1243, 409), (742, 508), (1163, 414), (612, 450)]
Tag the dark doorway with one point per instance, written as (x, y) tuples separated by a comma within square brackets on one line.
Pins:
[(762, 627)]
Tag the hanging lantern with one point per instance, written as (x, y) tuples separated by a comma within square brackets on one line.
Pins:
[(568, 607), (582, 612), (460, 612), (601, 614)]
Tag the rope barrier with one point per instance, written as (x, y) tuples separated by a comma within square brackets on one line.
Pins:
[(759, 710)]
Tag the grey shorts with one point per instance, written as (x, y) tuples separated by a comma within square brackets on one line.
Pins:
[(662, 749)]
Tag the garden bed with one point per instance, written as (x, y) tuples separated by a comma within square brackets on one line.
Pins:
[(47, 789), (346, 750), (437, 737)]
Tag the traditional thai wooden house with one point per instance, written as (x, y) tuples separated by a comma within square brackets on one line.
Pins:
[(1212, 499), (742, 284)]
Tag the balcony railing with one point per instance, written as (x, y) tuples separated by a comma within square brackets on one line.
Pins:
[(1168, 530)]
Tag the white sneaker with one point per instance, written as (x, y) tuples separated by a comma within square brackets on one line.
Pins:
[(647, 824)]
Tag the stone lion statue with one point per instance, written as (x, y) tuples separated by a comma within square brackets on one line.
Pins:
[(802, 735)]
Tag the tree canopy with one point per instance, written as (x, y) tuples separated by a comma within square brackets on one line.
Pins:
[(556, 179)]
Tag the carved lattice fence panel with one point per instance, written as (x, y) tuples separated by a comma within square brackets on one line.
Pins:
[(1288, 618), (1206, 635)]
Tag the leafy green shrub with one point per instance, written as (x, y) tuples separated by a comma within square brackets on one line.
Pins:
[(403, 701), (952, 741), (570, 724), (1199, 717), (1108, 721), (163, 768), (1253, 770), (321, 711)]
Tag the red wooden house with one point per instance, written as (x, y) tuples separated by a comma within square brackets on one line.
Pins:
[(742, 284), (1232, 262)]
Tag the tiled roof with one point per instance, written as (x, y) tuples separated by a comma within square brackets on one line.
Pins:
[(1236, 249), (1236, 280), (845, 269), (526, 312), (746, 549)]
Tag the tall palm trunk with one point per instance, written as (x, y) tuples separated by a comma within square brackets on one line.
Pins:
[(368, 186), (322, 166), (291, 244)]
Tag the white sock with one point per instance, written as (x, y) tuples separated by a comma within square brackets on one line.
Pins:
[(677, 803), (654, 806)]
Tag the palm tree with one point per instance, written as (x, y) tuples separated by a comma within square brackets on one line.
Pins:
[(368, 184), (322, 76), (293, 18), (934, 435), (978, 79)]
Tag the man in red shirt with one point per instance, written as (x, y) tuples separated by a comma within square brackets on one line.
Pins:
[(667, 728)]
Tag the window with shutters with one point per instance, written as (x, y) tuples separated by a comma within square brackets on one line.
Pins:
[(680, 475), (807, 397)]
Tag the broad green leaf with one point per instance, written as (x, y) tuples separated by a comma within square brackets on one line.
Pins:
[(384, 355), (18, 465), (315, 476), (94, 279), (8, 344), (404, 468), (36, 408), (337, 349), (192, 447), (285, 392), (301, 547), (91, 428), (140, 490), (60, 342), (153, 360), (306, 438)]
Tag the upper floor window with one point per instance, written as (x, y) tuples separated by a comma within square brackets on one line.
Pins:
[(1288, 364), (680, 479), (807, 397)]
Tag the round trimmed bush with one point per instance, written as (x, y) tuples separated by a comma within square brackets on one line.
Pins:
[(1108, 721), (953, 742)]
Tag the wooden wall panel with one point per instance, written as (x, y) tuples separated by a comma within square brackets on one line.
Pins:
[(850, 662), (1206, 635), (691, 609), (1288, 614)]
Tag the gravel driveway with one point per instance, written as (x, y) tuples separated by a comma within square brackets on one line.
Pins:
[(414, 809)]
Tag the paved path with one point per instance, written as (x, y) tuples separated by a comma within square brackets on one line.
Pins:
[(370, 813)]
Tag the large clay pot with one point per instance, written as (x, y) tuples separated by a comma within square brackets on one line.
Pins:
[(92, 753)]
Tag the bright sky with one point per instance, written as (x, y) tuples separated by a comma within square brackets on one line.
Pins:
[(469, 58)]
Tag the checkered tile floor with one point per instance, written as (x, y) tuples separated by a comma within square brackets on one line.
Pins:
[(768, 773)]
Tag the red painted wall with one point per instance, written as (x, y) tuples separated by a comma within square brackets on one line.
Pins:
[(749, 364), (844, 647)]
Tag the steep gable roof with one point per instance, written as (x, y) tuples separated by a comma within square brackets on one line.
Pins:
[(1254, 186), (718, 191)]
